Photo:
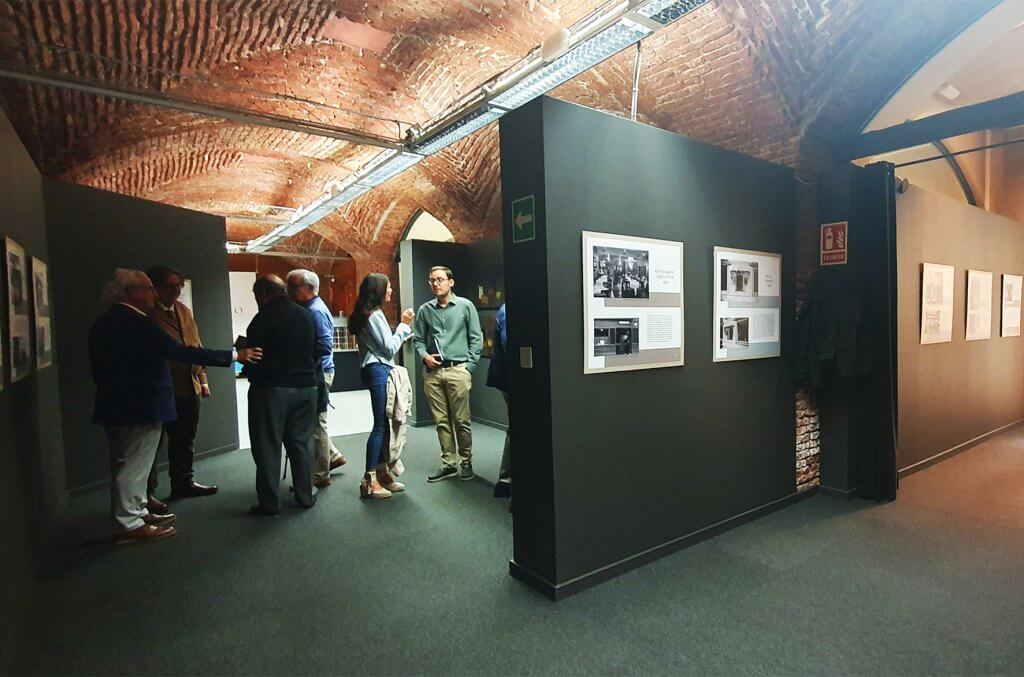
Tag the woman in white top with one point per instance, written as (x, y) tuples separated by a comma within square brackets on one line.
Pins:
[(377, 348)]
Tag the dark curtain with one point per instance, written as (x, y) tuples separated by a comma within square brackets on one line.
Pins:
[(874, 415)]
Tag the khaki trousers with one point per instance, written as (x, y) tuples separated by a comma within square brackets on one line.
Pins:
[(447, 390), (322, 442)]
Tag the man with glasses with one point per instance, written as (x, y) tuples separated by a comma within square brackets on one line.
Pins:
[(448, 341), (304, 289), (128, 354), (189, 384)]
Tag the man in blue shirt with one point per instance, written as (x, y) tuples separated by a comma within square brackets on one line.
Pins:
[(303, 288)]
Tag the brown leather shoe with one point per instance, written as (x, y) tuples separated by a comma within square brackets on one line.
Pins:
[(338, 461), (160, 520), (144, 534), (156, 506), (322, 484)]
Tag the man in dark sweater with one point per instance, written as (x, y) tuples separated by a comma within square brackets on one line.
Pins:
[(282, 395), (134, 398)]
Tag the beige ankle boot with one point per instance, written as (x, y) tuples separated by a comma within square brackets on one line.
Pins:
[(371, 488), (387, 480)]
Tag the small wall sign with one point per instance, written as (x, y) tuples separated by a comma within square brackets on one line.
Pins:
[(524, 221), (834, 243)]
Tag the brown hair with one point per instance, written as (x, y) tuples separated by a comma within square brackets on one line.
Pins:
[(447, 271)]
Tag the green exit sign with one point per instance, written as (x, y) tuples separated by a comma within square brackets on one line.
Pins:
[(524, 220)]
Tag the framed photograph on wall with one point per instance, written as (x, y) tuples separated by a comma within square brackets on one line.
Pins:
[(1009, 324), (632, 303), (747, 304), (19, 316), (979, 305), (44, 325), (936, 303)]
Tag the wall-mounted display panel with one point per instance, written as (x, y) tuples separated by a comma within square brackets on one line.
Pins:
[(19, 311), (43, 313), (747, 305), (936, 303), (1010, 317), (633, 303), (979, 305)]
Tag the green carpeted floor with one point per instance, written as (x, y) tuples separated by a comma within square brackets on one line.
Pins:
[(419, 585)]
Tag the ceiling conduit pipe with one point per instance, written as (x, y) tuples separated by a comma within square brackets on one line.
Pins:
[(636, 79)]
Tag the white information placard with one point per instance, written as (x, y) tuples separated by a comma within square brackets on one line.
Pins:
[(633, 303), (979, 305), (1010, 319), (747, 304), (936, 303)]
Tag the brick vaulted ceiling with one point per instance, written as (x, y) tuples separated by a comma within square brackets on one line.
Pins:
[(777, 79)]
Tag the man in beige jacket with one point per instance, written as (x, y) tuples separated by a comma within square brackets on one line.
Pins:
[(190, 386)]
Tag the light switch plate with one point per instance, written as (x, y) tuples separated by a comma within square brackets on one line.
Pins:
[(526, 357)]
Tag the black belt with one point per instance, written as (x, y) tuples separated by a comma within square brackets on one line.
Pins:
[(451, 363)]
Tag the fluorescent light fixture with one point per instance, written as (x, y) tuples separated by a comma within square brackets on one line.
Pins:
[(457, 130), (667, 11), (376, 175), (580, 58)]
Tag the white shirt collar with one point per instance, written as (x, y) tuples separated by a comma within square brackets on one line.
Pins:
[(128, 305)]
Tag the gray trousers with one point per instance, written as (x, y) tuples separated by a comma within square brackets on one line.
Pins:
[(132, 450), (282, 416)]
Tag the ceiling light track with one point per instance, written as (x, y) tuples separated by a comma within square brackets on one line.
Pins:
[(242, 116), (611, 28)]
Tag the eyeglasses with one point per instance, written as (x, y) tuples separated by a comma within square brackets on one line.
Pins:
[(437, 281)]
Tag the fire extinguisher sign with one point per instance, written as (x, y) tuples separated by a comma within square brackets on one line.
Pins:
[(834, 243)]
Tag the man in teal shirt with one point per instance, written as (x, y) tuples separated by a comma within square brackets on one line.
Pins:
[(448, 341)]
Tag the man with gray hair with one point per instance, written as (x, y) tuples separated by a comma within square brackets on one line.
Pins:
[(134, 397), (304, 289)]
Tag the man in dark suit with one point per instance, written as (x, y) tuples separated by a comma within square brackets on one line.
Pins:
[(134, 396), (282, 395)]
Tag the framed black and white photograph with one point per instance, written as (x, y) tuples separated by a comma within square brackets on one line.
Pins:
[(633, 303), (614, 336), (1011, 295), (747, 304), (936, 303), (979, 305), (19, 310), (621, 273), (43, 313)]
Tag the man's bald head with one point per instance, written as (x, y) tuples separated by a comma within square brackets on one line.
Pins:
[(269, 287)]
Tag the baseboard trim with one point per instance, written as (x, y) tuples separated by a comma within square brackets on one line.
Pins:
[(489, 423), (559, 591), (953, 451), (93, 486), (848, 494)]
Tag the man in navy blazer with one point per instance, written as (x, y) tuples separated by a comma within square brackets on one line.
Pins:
[(134, 396)]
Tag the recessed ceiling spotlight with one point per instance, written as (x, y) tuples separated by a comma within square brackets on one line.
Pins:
[(948, 92)]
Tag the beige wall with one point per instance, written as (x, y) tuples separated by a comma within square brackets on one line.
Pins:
[(950, 393)]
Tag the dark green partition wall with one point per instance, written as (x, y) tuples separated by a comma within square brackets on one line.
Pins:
[(91, 232), (612, 470)]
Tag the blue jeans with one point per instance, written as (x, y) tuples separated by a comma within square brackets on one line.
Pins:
[(375, 377)]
